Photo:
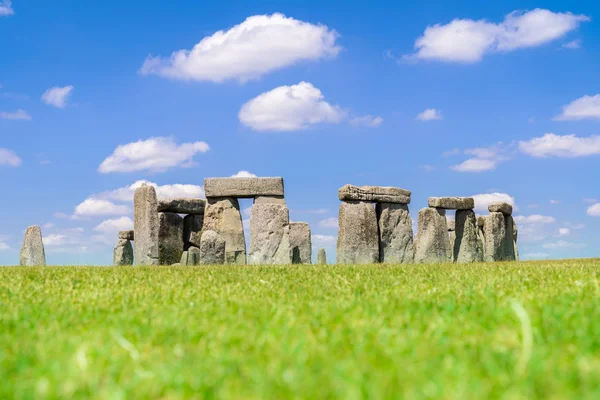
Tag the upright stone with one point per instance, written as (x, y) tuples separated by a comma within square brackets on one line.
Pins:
[(481, 234), (301, 244), (223, 216), (508, 242), (190, 257), (515, 235), (358, 236), (395, 233), (321, 257), (32, 251), (467, 248), (451, 236), (269, 234), (212, 248), (192, 224), (170, 238), (145, 226), (494, 232), (432, 244), (123, 253)]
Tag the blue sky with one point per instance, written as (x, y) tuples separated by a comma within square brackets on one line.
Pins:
[(501, 101)]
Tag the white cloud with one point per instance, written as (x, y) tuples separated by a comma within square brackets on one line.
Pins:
[(475, 165), (562, 244), (589, 200), (586, 107), (260, 44), (244, 174), (8, 157), (6, 8), (431, 114), (533, 227), (564, 231), (57, 96), (54, 239), (534, 219), (485, 159), (289, 108), (125, 194), (554, 202), (467, 40), (19, 115), (572, 45), (156, 154), (329, 223), (535, 255), (594, 210), (114, 225), (323, 240), (568, 146), (483, 200), (96, 207), (367, 120)]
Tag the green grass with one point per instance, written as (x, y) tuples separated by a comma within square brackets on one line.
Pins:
[(514, 330)]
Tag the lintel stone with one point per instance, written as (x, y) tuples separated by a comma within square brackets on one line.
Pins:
[(243, 187), (502, 207), (452, 203), (375, 194), (182, 205)]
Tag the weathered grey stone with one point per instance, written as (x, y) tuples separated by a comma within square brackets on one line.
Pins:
[(481, 234), (191, 256), (508, 242), (301, 244), (321, 257), (223, 216), (494, 232), (375, 194), (243, 187), (32, 251), (269, 238), (358, 236), (467, 248), (480, 221), (452, 239), (192, 224), (395, 233), (212, 248), (502, 207), (170, 238), (123, 253), (145, 225), (126, 235), (452, 203), (515, 235), (269, 199), (432, 244), (182, 205), (451, 225)]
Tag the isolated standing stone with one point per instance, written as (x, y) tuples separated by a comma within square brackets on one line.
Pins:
[(123, 253), (170, 238), (212, 248), (269, 234), (300, 242), (452, 203), (321, 257), (192, 224), (358, 236), (127, 235), (223, 216), (395, 233), (243, 187), (32, 251), (181, 205), (380, 194), (467, 248), (494, 231), (432, 244), (145, 225)]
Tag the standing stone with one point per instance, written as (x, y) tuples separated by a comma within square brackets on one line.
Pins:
[(170, 238), (190, 257), (494, 231), (123, 253), (432, 244), (358, 236), (269, 234), (481, 234), (32, 251), (321, 257), (515, 235), (223, 216), (467, 248), (508, 242), (212, 248), (145, 226), (192, 224), (300, 242), (451, 236), (395, 233)]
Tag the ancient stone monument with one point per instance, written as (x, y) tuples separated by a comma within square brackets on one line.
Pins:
[(32, 251), (499, 237), (370, 234), (321, 257), (123, 252), (145, 226), (300, 242)]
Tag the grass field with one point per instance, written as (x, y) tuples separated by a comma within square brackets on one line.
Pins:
[(514, 330)]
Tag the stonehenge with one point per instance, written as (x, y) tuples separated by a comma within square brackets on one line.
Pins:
[(32, 251)]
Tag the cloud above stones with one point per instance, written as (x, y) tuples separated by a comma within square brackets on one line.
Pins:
[(484, 158), (249, 50), (57, 96), (533, 228), (156, 154), (19, 115), (586, 107), (594, 210), (98, 207), (566, 146), (484, 199), (329, 223), (9, 158), (467, 40), (430, 114), (296, 107), (244, 174), (6, 8)]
